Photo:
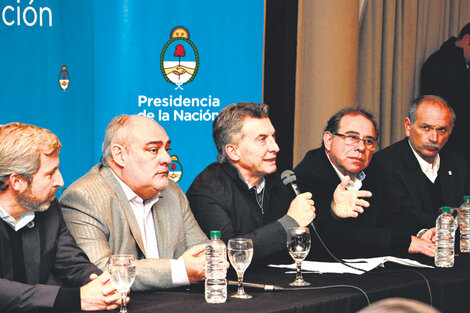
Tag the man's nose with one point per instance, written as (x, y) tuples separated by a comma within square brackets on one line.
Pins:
[(433, 136), (58, 180)]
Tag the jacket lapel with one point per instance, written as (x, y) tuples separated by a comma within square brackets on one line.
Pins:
[(126, 208)]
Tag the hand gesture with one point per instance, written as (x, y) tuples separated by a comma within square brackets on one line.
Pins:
[(348, 203)]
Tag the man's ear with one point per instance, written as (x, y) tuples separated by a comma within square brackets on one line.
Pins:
[(407, 123), (119, 154), (17, 182), (232, 152), (327, 140)]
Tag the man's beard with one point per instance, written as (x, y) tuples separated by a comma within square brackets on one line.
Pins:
[(33, 204)]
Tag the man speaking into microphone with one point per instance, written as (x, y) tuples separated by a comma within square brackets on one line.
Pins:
[(241, 194)]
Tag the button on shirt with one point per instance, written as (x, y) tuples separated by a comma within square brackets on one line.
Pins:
[(142, 210), (24, 219), (430, 170)]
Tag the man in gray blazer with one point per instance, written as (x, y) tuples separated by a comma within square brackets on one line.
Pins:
[(126, 204)]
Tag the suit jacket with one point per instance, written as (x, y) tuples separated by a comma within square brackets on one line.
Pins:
[(100, 218), (221, 201), (408, 202), (50, 254), (347, 237)]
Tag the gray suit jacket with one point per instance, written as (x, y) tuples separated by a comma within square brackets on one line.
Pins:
[(100, 218)]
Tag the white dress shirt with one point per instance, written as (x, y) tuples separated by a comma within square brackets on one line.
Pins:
[(430, 170), (25, 219), (143, 214)]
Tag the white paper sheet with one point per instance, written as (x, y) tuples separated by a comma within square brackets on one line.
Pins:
[(365, 264)]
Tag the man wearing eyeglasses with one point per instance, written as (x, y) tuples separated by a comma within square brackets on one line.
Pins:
[(420, 177), (344, 182)]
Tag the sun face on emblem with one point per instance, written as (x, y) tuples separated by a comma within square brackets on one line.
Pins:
[(179, 61), (64, 78), (176, 169)]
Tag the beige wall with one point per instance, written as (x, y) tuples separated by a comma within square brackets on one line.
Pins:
[(326, 67)]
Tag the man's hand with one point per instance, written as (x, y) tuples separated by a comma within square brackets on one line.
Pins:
[(194, 261), (419, 245), (301, 209), (348, 203), (429, 235), (99, 294)]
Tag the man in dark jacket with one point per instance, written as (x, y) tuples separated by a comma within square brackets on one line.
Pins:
[(420, 176), (343, 166), (36, 249), (446, 73), (241, 194)]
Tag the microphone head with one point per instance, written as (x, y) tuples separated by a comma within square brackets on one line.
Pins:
[(288, 177)]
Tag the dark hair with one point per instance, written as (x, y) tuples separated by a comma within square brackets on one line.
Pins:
[(333, 123), (229, 122), (464, 31), (429, 98)]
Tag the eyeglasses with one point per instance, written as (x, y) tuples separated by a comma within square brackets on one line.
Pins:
[(353, 140)]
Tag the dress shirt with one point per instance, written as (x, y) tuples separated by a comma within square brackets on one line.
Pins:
[(24, 219), (430, 170), (143, 214)]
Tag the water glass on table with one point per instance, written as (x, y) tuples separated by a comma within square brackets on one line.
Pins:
[(298, 244), (240, 253), (121, 268)]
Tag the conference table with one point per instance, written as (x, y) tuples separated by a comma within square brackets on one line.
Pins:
[(450, 290)]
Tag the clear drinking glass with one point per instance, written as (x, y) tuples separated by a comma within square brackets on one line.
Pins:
[(121, 268), (240, 253), (298, 243)]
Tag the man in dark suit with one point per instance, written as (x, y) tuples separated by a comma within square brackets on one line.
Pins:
[(342, 169), (37, 251), (420, 176), (241, 194), (446, 73)]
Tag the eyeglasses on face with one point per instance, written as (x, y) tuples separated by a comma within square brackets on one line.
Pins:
[(353, 140)]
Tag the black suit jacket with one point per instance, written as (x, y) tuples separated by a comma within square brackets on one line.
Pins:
[(220, 200), (363, 236), (408, 202), (50, 254)]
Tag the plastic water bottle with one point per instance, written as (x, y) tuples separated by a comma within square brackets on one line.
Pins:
[(445, 238), (464, 223), (216, 270)]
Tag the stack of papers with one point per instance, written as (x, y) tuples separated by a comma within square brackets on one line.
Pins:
[(365, 264)]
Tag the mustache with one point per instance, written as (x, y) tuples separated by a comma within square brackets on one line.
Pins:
[(431, 144)]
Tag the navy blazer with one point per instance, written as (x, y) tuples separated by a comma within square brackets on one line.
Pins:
[(408, 202), (364, 236), (50, 255)]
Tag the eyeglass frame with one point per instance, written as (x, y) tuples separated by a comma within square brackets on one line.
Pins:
[(357, 139)]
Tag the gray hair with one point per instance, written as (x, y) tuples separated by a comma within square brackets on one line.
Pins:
[(114, 134), (228, 124), (428, 98), (21, 146)]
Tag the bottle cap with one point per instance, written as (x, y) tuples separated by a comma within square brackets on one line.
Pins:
[(466, 198), (215, 233), (445, 209)]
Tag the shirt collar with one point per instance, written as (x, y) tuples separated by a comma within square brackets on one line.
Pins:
[(24, 219), (354, 183), (430, 170)]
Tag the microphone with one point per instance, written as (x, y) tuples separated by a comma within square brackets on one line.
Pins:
[(258, 286), (288, 179)]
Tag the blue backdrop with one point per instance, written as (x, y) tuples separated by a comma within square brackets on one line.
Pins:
[(72, 65)]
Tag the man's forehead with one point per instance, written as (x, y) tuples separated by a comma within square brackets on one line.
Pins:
[(145, 131), (357, 123), (432, 112)]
